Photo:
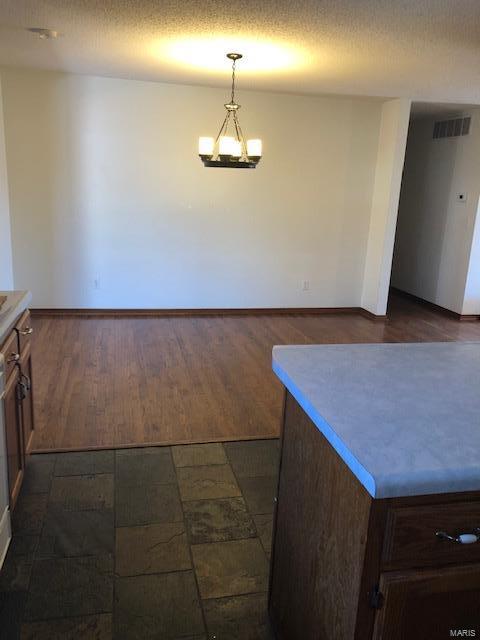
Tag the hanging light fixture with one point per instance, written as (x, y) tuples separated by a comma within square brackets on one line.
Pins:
[(230, 150)]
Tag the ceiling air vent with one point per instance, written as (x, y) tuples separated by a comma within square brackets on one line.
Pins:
[(452, 128)]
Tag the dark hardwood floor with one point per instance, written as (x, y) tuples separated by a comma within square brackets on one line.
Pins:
[(112, 382)]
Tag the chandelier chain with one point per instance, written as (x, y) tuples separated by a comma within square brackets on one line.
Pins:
[(232, 99)]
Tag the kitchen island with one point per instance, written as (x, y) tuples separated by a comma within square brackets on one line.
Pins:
[(378, 502)]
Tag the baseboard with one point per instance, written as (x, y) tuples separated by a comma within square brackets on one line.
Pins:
[(467, 317), (5, 534), (436, 307), (159, 313), (372, 316)]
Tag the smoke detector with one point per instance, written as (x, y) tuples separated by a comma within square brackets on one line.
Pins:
[(44, 34)]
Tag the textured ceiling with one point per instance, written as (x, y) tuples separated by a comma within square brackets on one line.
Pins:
[(424, 49)]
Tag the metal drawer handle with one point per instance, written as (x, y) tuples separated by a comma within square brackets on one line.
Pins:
[(21, 392), (13, 357), (462, 538), (26, 382), (27, 331)]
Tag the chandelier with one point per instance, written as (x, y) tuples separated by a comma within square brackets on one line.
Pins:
[(230, 150)]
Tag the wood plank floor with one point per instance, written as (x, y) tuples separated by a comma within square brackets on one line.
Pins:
[(111, 382)]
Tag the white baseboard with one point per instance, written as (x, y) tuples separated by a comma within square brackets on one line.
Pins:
[(5, 534)]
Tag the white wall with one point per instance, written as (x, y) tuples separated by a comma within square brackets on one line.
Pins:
[(6, 266), (386, 192), (105, 185), (437, 248), (471, 298)]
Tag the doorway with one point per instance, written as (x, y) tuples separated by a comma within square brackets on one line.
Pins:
[(437, 244)]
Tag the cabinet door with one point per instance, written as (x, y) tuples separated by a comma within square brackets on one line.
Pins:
[(27, 401), (13, 436), (429, 605)]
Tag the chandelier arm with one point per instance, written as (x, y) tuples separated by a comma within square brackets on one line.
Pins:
[(224, 126), (227, 122), (238, 131), (237, 124)]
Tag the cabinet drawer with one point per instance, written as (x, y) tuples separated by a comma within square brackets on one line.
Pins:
[(24, 331), (411, 541), (10, 353)]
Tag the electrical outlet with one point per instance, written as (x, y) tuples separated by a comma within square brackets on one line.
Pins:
[(461, 197), (305, 285)]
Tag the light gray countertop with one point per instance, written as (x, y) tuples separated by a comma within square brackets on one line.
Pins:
[(404, 417), (11, 309)]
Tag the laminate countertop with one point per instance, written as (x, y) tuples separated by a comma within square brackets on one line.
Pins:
[(11, 309), (405, 418)]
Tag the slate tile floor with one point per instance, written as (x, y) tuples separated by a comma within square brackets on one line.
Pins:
[(166, 543)]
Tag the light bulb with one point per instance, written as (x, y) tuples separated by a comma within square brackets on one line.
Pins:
[(226, 145), (236, 149), (205, 146), (254, 148)]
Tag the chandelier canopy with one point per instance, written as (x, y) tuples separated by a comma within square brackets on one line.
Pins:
[(230, 151)]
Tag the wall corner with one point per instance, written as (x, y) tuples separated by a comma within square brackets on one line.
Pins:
[(392, 142), (6, 259)]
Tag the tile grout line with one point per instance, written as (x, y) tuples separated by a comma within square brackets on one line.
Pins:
[(248, 508), (155, 573), (61, 558), (200, 600), (35, 558), (257, 536), (262, 593), (238, 595)]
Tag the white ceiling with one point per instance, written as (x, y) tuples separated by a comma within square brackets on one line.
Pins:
[(424, 49)]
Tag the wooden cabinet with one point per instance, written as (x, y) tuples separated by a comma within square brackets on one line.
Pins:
[(18, 401), (429, 604), (410, 538), (25, 392), (13, 436), (346, 566)]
